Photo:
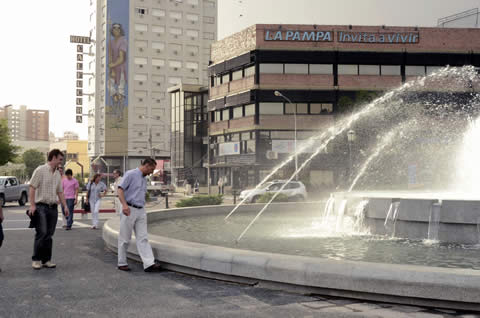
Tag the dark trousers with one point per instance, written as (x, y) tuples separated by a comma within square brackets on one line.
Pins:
[(45, 222), (1, 235), (71, 206)]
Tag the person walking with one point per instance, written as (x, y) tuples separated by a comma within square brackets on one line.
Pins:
[(1, 228), (62, 175), (45, 187), (131, 192), (117, 174), (70, 191), (96, 190), (220, 185)]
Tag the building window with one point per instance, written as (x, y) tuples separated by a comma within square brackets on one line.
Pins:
[(192, 33), (225, 78), (369, 69), (193, 2), (218, 115), (237, 75), (302, 108), (192, 17), (411, 70), (347, 69), (158, 29), (238, 112), (209, 20), (324, 69), (175, 64), (158, 62), (141, 27), (175, 80), (158, 13), (140, 60), (271, 108), (141, 11), (249, 110), (176, 15), (191, 65), (390, 69), (140, 77), (176, 31), (226, 114), (271, 68), (209, 3), (208, 36), (296, 68), (250, 71)]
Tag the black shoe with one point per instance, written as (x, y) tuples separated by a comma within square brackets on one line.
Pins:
[(124, 268), (154, 268)]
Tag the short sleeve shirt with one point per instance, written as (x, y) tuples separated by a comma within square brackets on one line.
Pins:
[(134, 186), (47, 184), (69, 187), (95, 190)]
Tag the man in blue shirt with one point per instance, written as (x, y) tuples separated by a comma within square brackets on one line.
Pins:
[(131, 193)]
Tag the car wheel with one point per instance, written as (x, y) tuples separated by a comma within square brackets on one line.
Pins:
[(2, 200), (255, 198), (23, 199)]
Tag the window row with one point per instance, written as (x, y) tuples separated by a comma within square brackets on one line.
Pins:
[(234, 112), (299, 108), (175, 15), (143, 61), (175, 48), (346, 69), (174, 31), (141, 79), (233, 75)]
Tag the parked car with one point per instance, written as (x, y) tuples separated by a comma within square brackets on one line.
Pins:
[(294, 190), (12, 190), (159, 187)]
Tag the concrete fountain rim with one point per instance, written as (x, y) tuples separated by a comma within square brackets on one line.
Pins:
[(407, 284)]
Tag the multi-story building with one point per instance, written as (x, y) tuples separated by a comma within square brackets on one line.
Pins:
[(189, 126), (26, 124), (273, 84), (141, 48), (76, 155)]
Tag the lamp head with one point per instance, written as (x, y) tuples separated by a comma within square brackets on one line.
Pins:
[(277, 93)]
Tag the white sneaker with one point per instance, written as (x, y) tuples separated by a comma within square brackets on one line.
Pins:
[(49, 265), (36, 264)]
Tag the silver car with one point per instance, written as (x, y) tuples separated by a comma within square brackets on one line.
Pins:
[(294, 190)]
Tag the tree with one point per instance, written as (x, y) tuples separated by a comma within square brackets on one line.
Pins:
[(32, 159), (7, 149)]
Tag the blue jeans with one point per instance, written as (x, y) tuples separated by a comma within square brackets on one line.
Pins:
[(71, 206), (45, 223)]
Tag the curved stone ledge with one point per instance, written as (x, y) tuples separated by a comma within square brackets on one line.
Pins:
[(442, 287)]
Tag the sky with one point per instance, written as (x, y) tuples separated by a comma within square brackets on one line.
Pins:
[(37, 61)]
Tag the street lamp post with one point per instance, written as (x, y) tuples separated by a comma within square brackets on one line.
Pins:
[(277, 93), (351, 139)]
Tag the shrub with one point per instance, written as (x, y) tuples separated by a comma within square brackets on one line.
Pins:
[(200, 200), (265, 198)]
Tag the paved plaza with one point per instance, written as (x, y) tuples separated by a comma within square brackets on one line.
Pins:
[(86, 283)]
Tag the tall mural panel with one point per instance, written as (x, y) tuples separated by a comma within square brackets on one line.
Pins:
[(116, 97)]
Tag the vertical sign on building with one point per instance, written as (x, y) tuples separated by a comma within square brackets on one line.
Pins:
[(79, 86), (116, 81)]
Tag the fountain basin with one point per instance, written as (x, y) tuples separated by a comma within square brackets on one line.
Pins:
[(410, 284)]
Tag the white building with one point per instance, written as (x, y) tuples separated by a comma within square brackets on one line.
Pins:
[(164, 43)]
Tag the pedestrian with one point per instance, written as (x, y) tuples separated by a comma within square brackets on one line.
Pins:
[(70, 191), (96, 190), (62, 175), (117, 174), (131, 192), (1, 229), (220, 185), (45, 187)]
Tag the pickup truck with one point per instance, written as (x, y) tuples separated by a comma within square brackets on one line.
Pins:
[(12, 190)]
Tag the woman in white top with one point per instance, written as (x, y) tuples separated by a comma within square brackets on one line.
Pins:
[(96, 190), (117, 174)]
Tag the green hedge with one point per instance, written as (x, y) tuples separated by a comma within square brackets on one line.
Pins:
[(265, 198), (200, 200)]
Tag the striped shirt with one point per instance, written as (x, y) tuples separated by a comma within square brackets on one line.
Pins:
[(47, 184)]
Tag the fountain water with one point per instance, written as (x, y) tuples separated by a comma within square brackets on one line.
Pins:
[(434, 222)]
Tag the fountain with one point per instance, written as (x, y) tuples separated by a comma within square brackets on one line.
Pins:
[(381, 242)]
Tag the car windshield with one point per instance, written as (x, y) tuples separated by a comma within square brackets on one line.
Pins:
[(2, 181)]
